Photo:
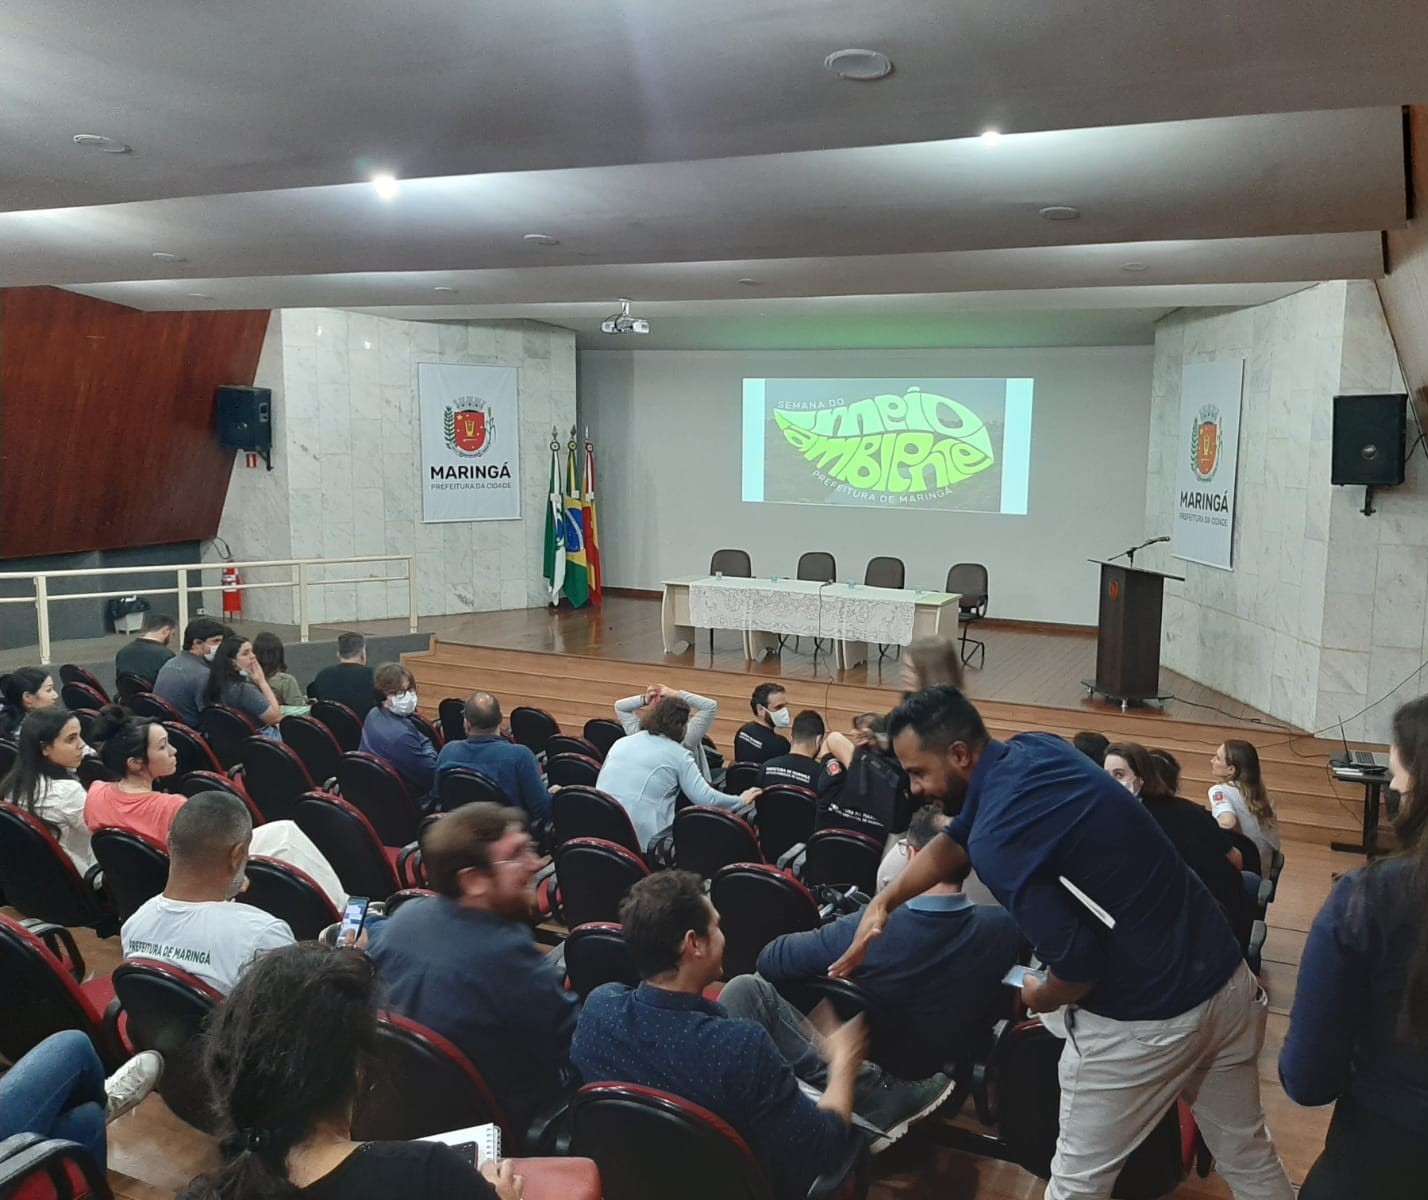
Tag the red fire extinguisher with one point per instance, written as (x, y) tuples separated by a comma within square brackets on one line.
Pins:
[(232, 597)]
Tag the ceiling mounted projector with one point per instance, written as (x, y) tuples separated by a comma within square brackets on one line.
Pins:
[(623, 322)]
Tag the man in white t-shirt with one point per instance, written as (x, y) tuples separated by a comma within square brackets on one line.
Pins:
[(193, 923)]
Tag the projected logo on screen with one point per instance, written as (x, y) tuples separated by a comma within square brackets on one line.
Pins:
[(912, 443), (917, 443)]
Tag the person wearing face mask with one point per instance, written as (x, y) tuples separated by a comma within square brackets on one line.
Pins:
[(42, 780), (237, 681), (182, 680), (190, 923), (390, 734), (760, 739)]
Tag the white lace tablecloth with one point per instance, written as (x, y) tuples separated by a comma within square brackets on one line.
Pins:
[(788, 606), (858, 613)]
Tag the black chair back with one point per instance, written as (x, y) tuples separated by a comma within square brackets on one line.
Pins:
[(708, 839), (817, 566), (567, 743), (71, 673), (343, 723), (41, 997), (154, 708), (349, 843), (587, 812), (274, 776), (290, 895), (594, 876), (563, 770), (129, 685), (532, 728), (432, 732), (602, 733), (784, 816), (375, 788), (451, 712), (9, 752), (226, 730), (82, 695), (1249, 852), (166, 1010), (841, 858), (312, 742), (215, 781), (466, 785), (969, 580), (885, 571), (757, 904), (739, 777), (421, 1084), (193, 751), (734, 563), (136, 868), (92, 770), (596, 953), (40, 879)]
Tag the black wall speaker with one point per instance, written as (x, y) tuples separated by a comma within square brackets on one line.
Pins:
[(245, 418), (1370, 434)]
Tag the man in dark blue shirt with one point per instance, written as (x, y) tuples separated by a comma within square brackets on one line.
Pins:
[(465, 965), (513, 768), (1158, 1003), (665, 1034)]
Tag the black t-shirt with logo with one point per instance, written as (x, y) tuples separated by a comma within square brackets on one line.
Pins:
[(797, 769), (870, 795), (755, 743)]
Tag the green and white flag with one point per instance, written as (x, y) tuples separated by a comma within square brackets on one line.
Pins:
[(555, 531)]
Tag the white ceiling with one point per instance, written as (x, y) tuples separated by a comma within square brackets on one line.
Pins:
[(674, 150)]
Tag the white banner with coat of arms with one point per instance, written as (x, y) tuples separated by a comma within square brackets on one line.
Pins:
[(470, 442), (1208, 447)]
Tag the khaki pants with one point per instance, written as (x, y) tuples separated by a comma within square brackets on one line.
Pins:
[(1118, 1078)]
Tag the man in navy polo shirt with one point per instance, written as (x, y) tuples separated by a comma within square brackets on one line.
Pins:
[(1158, 1002)]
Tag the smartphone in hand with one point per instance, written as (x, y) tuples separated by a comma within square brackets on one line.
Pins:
[(1017, 976), (354, 916)]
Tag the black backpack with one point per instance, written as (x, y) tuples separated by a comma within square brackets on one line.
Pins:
[(870, 796)]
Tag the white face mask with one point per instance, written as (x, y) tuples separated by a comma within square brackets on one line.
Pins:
[(209, 652), (781, 718), (403, 703)]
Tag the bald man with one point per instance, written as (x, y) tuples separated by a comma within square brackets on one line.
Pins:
[(513, 768)]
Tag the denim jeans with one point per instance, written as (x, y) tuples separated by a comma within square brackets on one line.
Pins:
[(57, 1090)]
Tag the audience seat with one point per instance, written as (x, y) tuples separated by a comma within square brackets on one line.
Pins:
[(563, 770), (82, 695), (226, 730), (451, 712), (969, 581), (756, 904), (92, 769), (349, 843), (343, 723), (135, 867), (432, 731), (596, 953), (274, 776), (602, 733), (652, 1145), (374, 787), (1249, 851), (290, 895), (842, 859), (193, 751), (195, 782), (594, 875), (1254, 953), (154, 708), (569, 743), (457, 786), (42, 881), (33, 1167), (533, 728), (739, 777), (406, 895), (71, 673), (313, 742), (165, 1009), (129, 685), (587, 812), (707, 839), (784, 814)]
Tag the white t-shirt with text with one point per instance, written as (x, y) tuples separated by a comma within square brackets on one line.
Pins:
[(211, 939)]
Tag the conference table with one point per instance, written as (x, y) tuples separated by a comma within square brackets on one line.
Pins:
[(766, 611)]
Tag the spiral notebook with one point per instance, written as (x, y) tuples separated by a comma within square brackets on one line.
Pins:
[(482, 1141)]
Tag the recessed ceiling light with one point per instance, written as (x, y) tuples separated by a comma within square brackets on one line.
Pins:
[(541, 239), (990, 137), (165, 256), (105, 145), (1135, 266), (199, 296), (385, 185), (862, 66), (1060, 212), (747, 282), (445, 290)]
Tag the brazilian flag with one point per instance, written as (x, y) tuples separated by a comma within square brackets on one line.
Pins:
[(577, 569)]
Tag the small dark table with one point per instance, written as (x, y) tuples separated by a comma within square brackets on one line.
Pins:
[(1373, 783)]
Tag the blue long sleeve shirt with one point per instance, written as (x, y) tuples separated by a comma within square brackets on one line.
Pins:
[(513, 769), (402, 744)]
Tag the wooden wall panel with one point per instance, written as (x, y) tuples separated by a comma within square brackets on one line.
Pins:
[(106, 421)]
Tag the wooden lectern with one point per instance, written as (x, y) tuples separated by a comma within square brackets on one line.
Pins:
[(1128, 640)]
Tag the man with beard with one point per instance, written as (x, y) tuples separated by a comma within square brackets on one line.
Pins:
[(1157, 1001), (465, 965)]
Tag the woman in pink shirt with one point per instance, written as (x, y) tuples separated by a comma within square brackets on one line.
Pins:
[(138, 751)]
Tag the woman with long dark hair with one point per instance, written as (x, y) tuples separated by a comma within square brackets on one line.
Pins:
[(42, 781), (286, 1056), (236, 679), (1239, 800), (1358, 1034), (268, 649), (22, 692)]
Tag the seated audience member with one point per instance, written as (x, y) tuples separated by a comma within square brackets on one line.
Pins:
[(237, 681), (936, 971), (927, 822), (21, 693), (759, 740), (930, 661), (268, 649), (800, 765), (146, 655), (42, 781), (58, 1090), (465, 964), (349, 680), (1205, 847), (1239, 801), (287, 1057), (664, 1034), (646, 771), (1358, 1032), (513, 768), (181, 681), (1092, 745), (390, 734), (701, 720), (191, 923)]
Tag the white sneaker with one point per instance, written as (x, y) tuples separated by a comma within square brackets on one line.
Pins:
[(132, 1082)]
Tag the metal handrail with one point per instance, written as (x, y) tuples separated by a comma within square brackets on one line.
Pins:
[(41, 598)]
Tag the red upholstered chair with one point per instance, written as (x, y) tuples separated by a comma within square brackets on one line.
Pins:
[(82, 695), (165, 1009), (566, 770), (841, 858), (594, 876), (428, 727), (784, 814), (215, 781), (290, 895), (350, 844), (273, 775), (596, 953), (226, 730), (70, 673), (33, 1167), (406, 896), (154, 708), (312, 741), (650, 1145), (194, 752), (373, 786), (128, 685), (739, 777), (135, 867), (602, 733), (451, 713), (344, 723), (565, 743), (42, 969), (533, 728), (756, 904), (457, 786), (708, 839), (41, 880), (587, 812)]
